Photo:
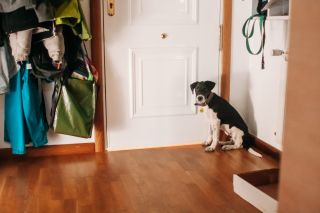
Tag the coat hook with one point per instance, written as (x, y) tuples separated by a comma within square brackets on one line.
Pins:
[(278, 52)]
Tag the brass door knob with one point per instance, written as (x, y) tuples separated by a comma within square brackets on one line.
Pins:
[(164, 35), (110, 7)]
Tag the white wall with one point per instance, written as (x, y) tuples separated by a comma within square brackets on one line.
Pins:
[(240, 59), (267, 87), (259, 94), (53, 138)]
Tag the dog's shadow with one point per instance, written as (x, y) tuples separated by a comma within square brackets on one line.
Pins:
[(243, 100)]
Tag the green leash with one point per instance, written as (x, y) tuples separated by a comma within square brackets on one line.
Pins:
[(248, 33)]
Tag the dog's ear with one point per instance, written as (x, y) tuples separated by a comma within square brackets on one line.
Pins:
[(193, 85), (209, 84)]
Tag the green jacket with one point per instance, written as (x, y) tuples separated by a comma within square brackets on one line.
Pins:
[(70, 13)]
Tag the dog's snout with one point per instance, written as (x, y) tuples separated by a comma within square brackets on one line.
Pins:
[(200, 99)]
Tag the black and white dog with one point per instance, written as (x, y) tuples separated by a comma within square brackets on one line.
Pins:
[(222, 116)]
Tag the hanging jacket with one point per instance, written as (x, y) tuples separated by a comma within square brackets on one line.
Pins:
[(20, 43), (7, 6), (43, 8), (24, 112), (19, 20), (44, 11), (4, 73), (69, 13), (7, 66), (55, 45), (22, 15)]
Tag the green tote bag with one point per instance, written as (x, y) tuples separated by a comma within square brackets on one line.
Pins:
[(75, 107), (74, 103)]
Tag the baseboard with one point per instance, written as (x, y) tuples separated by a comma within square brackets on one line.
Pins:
[(267, 149), (52, 150), (86, 148), (261, 146), (110, 149)]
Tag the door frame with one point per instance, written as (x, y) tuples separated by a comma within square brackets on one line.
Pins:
[(226, 48), (97, 55)]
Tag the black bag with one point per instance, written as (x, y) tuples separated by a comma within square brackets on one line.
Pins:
[(261, 16), (42, 66)]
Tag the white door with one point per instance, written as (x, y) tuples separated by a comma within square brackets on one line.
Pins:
[(154, 51)]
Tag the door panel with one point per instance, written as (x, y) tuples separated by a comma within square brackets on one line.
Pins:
[(168, 12), (170, 95), (149, 101)]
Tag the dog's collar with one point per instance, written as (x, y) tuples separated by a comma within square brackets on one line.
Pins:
[(207, 101)]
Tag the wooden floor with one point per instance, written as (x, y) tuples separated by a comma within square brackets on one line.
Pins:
[(184, 179)]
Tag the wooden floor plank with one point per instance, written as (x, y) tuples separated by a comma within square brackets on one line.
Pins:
[(183, 179)]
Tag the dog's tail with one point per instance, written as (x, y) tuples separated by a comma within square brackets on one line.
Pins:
[(248, 142), (255, 153)]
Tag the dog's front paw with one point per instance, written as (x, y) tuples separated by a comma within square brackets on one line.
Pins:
[(226, 142), (209, 149), (230, 147), (207, 143), (227, 147)]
